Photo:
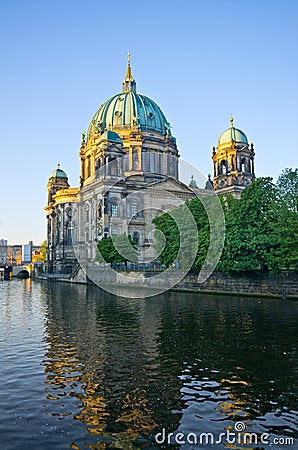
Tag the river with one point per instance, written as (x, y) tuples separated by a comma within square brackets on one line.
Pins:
[(83, 369)]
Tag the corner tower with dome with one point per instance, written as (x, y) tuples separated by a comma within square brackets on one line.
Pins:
[(233, 162)]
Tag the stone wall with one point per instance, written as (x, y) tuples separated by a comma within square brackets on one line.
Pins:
[(283, 285)]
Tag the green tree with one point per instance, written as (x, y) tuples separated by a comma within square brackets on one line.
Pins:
[(116, 250), (249, 225), (203, 231), (43, 251), (167, 239), (284, 254), (261, 229), (183, 235), (287, 186), (285, 231)]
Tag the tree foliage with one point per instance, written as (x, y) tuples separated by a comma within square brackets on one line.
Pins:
[(285, 232), (249, 226), (261, 228), (176, 236), (116, 250), (287, 186), (43, 252), (168, 240)]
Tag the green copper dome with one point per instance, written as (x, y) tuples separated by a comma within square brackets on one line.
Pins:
[(128, 110), (232, 134), (58, 173)]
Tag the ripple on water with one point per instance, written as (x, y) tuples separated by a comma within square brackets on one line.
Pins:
[(84, 369)]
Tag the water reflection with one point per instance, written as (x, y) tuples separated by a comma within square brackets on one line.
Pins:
[(104, 353), (128, 368)]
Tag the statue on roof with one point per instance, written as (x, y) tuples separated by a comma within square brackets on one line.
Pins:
[(193, 183)]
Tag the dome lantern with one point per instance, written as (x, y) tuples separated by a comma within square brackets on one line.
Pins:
[(129, 83)]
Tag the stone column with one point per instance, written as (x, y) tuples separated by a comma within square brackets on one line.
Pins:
[(143, 159), (130, 159), (148, 160), (83, 168)]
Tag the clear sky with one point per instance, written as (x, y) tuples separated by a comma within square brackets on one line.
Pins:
[(201, 61)]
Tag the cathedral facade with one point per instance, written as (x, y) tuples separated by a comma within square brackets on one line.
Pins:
[(129, 174)]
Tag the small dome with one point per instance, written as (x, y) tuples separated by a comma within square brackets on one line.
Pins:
[(58, 173), (111, 136), (232, 134)]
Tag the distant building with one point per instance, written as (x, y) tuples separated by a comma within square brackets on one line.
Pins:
[(3, 251), (18, 254), (14, 254), (27, 253)]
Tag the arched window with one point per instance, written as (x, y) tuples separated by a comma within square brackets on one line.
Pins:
[(97, 167), (136, 237), (113, 166), (99, 210), (223, 167), (114, 209), (252, 168), (58, 223), (243, 165), (87, 213)]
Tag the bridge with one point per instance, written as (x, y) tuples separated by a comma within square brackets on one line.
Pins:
[(7, 271), (21, 271)]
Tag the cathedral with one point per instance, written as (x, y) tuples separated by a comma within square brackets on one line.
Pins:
[(129, 175)]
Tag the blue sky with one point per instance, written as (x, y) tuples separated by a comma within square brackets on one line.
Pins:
[(201, 61)]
